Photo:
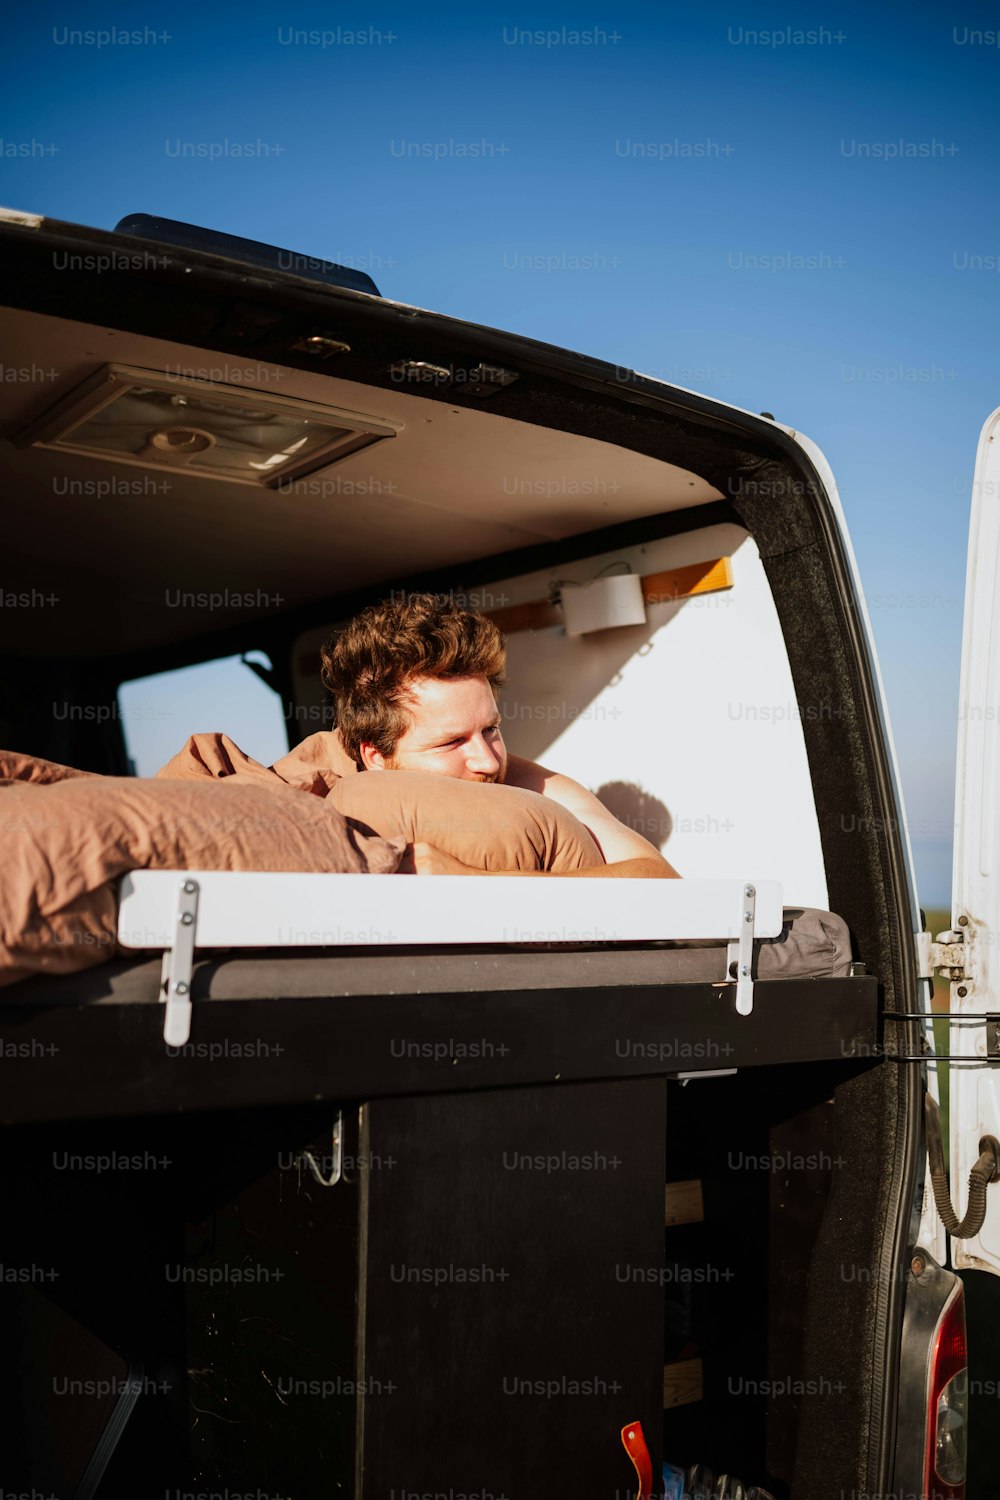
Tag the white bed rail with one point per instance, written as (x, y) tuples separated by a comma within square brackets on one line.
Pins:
[(179, 910)]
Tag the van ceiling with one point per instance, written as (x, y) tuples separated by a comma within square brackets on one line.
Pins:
[(120, 546)]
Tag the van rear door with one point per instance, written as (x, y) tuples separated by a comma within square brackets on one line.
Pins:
[(975, 1085)]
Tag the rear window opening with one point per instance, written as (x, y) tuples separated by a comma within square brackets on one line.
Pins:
[(157, 713)]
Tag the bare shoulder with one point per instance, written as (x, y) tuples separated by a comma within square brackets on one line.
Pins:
[(532, 777), (559, 788), (615, 840)]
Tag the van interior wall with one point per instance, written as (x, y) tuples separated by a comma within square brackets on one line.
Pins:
[(62, 710), (685, 726), (844, 1328)]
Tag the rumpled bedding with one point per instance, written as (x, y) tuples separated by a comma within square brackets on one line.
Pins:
[(68, 836), (314, 766), (482, 825)]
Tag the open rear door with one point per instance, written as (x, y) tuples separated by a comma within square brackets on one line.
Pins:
[(975, 1086)]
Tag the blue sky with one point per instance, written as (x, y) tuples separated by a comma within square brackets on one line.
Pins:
[(791, 223)]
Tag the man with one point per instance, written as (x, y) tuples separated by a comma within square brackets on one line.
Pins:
[(415, 683)]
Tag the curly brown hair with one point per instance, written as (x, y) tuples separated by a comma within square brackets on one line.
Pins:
[(366, 668)]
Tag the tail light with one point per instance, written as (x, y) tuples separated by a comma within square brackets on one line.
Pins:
[(947, 1404)]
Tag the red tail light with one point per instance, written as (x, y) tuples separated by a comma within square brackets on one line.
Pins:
[(947, 1404)]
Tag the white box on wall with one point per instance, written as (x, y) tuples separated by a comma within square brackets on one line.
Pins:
[(603, 603)]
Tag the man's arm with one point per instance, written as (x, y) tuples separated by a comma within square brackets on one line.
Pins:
[(627, 855), (618, 843), (426, 859)]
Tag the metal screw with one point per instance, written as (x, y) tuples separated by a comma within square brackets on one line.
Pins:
[(420, 369), (962, 991), (918, 1265), (322, 345), (189, 887), (180, 989), (748, 916), (186, 919), (744, 969), (749, 890), (963, 921)]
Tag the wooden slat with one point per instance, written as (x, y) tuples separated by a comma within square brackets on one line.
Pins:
[(682, 1382), (538, 614), (682, 583), (683, 1202), (657, 588), (541, 614)]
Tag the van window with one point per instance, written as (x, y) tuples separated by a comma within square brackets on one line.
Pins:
[(159, 712)]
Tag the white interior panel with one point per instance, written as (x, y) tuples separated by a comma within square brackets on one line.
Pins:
[(687, 727)]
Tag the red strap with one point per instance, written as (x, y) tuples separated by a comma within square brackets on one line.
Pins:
[(635, 1447)]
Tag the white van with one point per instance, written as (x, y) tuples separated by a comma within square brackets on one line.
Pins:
[(463, 1212)]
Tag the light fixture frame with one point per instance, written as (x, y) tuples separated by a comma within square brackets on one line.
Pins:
[(112, 381)]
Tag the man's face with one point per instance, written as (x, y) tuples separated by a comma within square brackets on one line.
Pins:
[(454, 731)]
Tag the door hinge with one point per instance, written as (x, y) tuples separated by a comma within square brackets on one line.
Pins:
[(946, 956)]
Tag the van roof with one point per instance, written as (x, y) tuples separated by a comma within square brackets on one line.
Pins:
[(503, 443)]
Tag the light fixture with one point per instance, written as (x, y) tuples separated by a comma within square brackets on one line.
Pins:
[(602, 603), (160, 421)]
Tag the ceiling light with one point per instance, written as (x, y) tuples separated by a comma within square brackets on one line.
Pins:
[(160, 421)]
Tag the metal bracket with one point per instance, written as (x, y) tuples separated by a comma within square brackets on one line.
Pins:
[(336, 1158), (685, 1078), (922, 942), (990, 1055), (175, 972), (948, 955), (740, 952)]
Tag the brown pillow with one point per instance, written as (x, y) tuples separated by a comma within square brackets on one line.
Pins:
[(14, 766), (66, 841), (483, 825)]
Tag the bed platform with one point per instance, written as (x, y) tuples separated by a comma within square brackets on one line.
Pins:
[(281, 1025)]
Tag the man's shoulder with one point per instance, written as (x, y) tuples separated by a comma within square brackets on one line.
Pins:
[(532, 777), (524, 773)]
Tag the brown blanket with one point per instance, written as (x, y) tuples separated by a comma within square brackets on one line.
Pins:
[(314, 766), (68, 836), (483, 826)]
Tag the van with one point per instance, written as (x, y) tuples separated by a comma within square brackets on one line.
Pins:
[(491, 1203)]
